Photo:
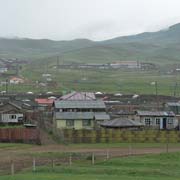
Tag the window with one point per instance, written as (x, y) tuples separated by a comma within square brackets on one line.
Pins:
[(147, 121), (170, 121), (12, 116), (69, 123), (86, 122), (20, 118), (157, 121)]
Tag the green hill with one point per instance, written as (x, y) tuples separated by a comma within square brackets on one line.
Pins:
[(162, 47)]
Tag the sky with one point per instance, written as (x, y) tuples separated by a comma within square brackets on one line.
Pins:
[(91, 19)]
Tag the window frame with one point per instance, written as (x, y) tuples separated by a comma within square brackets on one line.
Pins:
[(170, 121), (158, 121), (148, 121), (85, 124), (70, 123)]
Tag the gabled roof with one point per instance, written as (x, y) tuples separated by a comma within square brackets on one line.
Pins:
[(80, 104), (44, 101), (121, 123), (81, 96), (155, 113)]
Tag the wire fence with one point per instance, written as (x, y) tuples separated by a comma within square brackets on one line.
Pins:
[(52, 160)]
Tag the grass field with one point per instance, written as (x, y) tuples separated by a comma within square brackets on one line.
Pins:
[(127, 82), (147, 167)]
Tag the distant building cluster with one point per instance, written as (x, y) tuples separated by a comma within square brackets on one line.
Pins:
[(114, 65)]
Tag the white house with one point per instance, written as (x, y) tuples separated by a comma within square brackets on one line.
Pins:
[(16, 80), (157, 119)]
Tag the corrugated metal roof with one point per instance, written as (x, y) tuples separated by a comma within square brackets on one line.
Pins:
[(79, 96), (81, 115), (173, 104), (79, 104), (121, 123), (74, 115), (155, 113), (102, 116)]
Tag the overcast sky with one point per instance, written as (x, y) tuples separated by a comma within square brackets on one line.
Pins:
[(93, 19)]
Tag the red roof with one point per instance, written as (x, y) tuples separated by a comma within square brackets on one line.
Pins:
[(44, 101)]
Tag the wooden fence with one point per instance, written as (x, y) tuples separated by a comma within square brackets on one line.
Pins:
[(20, 135), (113, 136)]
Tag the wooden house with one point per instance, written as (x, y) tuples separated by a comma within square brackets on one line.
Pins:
[(11, 114)]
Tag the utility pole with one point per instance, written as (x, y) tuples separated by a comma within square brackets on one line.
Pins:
[(157, 99), (57, 63), (7, 83), (175, 89)]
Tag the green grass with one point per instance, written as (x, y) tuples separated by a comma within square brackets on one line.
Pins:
[(14, 146), (148, 167), (118, 145), (113, 81), (126, 82)]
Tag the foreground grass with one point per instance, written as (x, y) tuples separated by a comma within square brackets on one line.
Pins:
[(148, 167)]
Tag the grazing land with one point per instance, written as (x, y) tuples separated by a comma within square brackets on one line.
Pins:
[(127, 82)]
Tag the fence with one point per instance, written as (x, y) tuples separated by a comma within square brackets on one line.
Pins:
[(59, 160), (114, 136), (20, 135), (32, 163)]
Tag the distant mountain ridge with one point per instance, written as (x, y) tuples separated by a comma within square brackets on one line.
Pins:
[(161, 47)]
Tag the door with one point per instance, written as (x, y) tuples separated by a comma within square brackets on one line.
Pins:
[(164, 123)]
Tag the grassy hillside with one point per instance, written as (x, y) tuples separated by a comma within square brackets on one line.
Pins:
[(160, 47)]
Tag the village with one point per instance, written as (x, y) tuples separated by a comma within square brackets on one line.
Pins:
[(55, 114)]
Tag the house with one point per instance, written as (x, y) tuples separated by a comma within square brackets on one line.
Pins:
[(16, 80), (11, 113), (123, 114), (157, 119), (173, 106), (44, 103), (79, 110), (122, 124)]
